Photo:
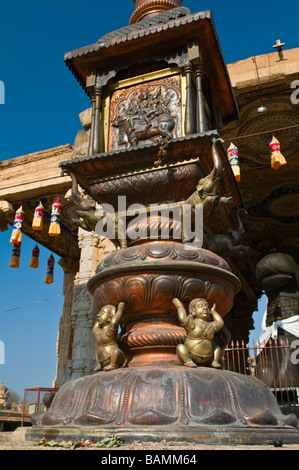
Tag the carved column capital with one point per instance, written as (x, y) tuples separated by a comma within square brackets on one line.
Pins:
[(69, 265), (6, 211), (199, 71)]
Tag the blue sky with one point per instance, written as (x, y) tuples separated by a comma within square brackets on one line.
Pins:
[(42, 104)]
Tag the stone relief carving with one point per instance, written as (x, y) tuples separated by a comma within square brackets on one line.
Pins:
[(145, 113)]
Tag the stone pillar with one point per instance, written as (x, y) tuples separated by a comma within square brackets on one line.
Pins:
[(189, 112), (201, 115), (65, 333), (96, 124), (83, 315)]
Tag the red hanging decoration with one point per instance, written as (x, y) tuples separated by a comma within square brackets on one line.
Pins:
[(16, 236), (277, 159), (233, 158), (54, 228), (15, 256), (34, 262), (37, 223), (50, 271)]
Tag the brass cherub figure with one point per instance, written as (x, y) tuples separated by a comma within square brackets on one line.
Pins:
[(105, 330), (201, 326)]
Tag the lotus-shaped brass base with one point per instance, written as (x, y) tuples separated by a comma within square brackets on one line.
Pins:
[(201, 405)]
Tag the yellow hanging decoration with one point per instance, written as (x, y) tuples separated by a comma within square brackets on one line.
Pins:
[(15, 256), (50, 271), (54, 228), (34, 262), (277, 159), (37, 223), (16, 236)]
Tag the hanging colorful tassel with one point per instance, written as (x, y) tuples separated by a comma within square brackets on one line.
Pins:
[(16, 236), (54, 228), (34, 258), (277, 159), (15, 256), (233, 158), (37, 223), (50, 271)]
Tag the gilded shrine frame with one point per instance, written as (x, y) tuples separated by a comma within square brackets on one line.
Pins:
[(143, 109)]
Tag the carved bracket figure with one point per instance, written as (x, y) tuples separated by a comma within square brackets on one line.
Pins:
[(105, 331), (201, 325), (86, 211), (226, 244), (207, 190), (208, 187)]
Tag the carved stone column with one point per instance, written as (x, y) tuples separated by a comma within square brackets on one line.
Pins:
[(65, 332), (201, 115), (97, 119), (91, 137), (189, 114), (82, 360)]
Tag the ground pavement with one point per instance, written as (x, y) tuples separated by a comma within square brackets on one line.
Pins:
[(15, 441)]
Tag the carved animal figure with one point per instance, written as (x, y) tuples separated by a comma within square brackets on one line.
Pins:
[(207, 192), (86, 212), (208, 187), (162, 125), (224, 244)]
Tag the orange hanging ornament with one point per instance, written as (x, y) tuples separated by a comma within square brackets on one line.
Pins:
[(37, 223), (277, 159), (15, 256), (49, 279), (16, 236), (54, 228), (34, 262)]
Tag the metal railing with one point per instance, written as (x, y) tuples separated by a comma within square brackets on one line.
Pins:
[(34, 401), (273, 363)]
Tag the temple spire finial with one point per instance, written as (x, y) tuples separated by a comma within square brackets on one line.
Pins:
[(145, 8)]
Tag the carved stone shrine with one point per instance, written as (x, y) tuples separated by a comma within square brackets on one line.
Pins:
[(160, 92)]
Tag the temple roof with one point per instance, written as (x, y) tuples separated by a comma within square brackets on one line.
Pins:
[(151, 25), (157, 35)]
